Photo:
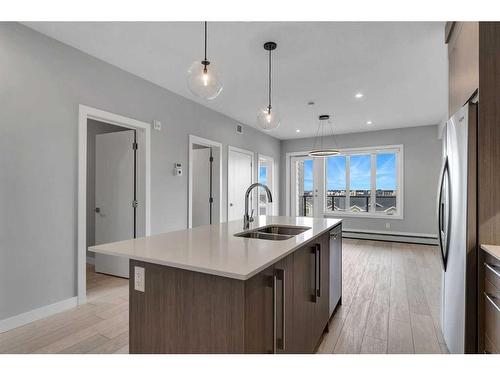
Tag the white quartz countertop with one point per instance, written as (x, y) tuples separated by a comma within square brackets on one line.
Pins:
[(213, 249), (493, 250)]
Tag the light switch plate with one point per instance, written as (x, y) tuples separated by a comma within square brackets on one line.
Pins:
[(157, 125), (139, 279)]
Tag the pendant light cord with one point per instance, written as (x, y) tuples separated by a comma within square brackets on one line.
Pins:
[(269, 107), (205, 40)]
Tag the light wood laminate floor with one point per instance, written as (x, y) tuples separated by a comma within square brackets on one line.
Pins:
[(391, 298)]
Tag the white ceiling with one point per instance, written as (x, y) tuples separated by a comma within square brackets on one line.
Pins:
[(401, 68)]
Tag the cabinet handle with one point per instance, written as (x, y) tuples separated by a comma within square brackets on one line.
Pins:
[(492, 299), (279, 343), (318, 249), (492, 269), (275, 281), (317, 291)]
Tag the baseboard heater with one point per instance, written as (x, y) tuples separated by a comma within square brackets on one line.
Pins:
[(391, 237)]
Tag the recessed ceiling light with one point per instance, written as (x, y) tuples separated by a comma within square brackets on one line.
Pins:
[(358, 95), (297, 131), (369, 123)]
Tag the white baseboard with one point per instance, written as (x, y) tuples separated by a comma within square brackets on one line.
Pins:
[(406, 237), (36, 314), (90, 260)]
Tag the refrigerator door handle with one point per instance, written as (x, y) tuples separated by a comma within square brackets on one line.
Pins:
[(445, 172)]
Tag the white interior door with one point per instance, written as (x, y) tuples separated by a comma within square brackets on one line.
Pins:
[(201, 187), (114, 194), (239, 178)]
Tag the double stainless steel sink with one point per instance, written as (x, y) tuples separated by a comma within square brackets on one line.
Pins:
[(273, 232)]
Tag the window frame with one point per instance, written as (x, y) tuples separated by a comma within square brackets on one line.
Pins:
[(372, 213)]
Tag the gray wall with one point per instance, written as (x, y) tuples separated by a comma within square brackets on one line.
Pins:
[(93, 128), (422, 163), (42, 82)]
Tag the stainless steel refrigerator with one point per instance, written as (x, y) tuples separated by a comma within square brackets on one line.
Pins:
[(457, 232)]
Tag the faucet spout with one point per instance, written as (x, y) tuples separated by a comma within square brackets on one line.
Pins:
[(247, 219)]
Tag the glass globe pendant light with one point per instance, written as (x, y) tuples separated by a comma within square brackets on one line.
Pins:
[(202, 77), (267, 118), (320, 148)]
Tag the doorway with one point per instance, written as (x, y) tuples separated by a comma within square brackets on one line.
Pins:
[(115, 151), (205, 182), (266, 175), (303, 189), (112, 192), (239, 178)]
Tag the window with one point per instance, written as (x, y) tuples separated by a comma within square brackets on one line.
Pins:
[(386, 180), (336, 183), (364, 182)]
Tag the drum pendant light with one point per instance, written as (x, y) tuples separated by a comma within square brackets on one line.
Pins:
[(320, 148), (202, 77), (267, 118)]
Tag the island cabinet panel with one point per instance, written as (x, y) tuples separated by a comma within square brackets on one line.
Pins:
[(259, 312), (182, 311), (302, 313), (322, 305)]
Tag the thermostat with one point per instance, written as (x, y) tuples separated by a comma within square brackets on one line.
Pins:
[(178, 169)]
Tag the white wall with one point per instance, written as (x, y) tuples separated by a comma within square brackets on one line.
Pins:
[(422, 163), (42, 83)]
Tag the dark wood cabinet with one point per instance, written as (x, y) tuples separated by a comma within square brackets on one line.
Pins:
[(463, 68), (283, 302), (259, 313), (282, 309), (303, 303), (321, 307), (489, 304)]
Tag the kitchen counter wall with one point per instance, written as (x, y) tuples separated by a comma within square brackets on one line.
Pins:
[(43, 83), (422, 164)]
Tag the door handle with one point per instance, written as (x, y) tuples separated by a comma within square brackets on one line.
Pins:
[(440, 212), (98, 211)]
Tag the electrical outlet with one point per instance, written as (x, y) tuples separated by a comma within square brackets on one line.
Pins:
[(387, 225), (139, 279)]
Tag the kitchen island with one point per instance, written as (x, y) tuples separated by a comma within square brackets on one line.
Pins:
[(219, 289)]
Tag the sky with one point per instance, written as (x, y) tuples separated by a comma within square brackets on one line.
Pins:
[(359, 172), (263, 175)]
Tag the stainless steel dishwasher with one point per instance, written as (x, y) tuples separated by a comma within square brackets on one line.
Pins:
[(335, 267)]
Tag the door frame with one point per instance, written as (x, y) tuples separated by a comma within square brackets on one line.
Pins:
[(193, 139), (85, 113), (243, 151), (273, 179)]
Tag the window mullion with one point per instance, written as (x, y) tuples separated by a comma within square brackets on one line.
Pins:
[(373, 182), (347, 183)]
